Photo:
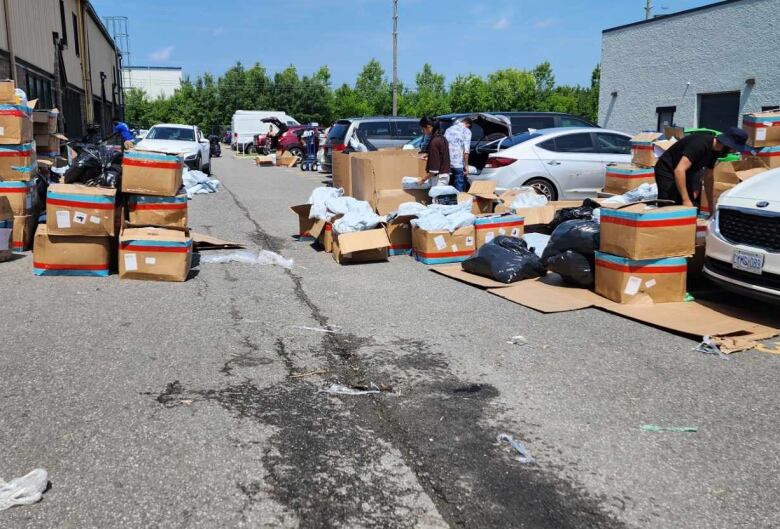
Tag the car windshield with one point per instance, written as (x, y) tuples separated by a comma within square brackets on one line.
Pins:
[(171, 133)]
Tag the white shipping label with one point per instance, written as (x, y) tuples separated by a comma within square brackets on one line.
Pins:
[(5, 238), (440, 242), (501, 231), (63, 219), (650, 283), (454, 247), (131, 262), (80, 217), (489, 236), (632, 287), (150, 260), (469, 241), (760, 134), (2, 131), (515, 232), (94, 220)]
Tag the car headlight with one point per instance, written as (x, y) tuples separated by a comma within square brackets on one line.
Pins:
[(714, 226)]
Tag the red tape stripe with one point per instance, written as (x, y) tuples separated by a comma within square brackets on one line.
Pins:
[(57, 266), (19, 190), (444, 254), (77, 204), (642, 147), (136, 207), (513, 224), (15, 154), (153, 165), (153, 249), (648, 223), (631, 176), (642, 269), (16, 113), (400, 246)]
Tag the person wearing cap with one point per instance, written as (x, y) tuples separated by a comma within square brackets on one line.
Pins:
[(678, 169)]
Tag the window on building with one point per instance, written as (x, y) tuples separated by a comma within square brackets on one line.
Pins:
[(719, 111), (665, 117), (64, 26), (76, 35), (770, 107), (39, 88)]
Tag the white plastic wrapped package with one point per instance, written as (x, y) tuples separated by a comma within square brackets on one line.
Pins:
[(342, 205), (360, 217), (437, 217), (198, 182), (528, 200), (317, 200), (537, 241), (410, 209), (410, 182), (641, 193), (437, 191)]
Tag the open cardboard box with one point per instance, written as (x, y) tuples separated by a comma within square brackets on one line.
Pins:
[(361, 246)]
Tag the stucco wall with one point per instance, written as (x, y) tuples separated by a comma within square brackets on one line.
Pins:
[(715, 50)]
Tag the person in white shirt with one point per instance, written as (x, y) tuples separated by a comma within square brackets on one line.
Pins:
[(459, 139)]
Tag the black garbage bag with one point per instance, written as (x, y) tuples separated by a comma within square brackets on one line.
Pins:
[(581, 236), (574, 268), (505, 259), (96, 165), (583, 212)]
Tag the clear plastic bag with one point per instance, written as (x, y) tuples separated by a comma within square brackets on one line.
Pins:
[(25, 490), (263, 257)]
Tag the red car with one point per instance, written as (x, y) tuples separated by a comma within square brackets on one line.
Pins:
[(288, 138)]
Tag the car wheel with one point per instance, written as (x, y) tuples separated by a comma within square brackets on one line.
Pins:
[(207, 169), (296, 151), (543, 186)]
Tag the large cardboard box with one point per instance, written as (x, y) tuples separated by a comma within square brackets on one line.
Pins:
[(151, 173), (165, 212), (23, 233), (155, 254), (8, 93), (623, 177), (45, 121), (440, 247), (388, 200), (49, 145), (643, 148), (631, 281), (763, 128), (57, 255), (484, 194), (767, 156), (377, 171), (18, 162), (361, 246), (19, 196), (326, 237), (399, 231), (305, 224), (342, 172), (75, 209), (490, 225), (677, 133), (638, 231), (15, 124), (727, 175), (6, 236)]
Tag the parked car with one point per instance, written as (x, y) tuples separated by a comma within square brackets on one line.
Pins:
[(375, 133), (185, 140), (485, 128), (561, 163), (743, 239), (288, 138), (247, 123)]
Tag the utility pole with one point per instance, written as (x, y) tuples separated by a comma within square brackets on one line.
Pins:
[(648, 9), (395, 57)]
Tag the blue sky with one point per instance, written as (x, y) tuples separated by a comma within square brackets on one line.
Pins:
[(455, 36)]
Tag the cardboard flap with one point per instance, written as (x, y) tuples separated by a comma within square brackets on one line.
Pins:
[(457, 273), (483, 189), (317, 227), (204, 242), (155, 234), (548, 294), (363, 240), (646, 137), (302, 209), (674, 132), (80, 189)]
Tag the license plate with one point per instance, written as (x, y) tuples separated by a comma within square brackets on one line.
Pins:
[(748, 261)]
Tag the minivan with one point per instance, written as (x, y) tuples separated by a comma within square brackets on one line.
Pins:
[(376, 132)]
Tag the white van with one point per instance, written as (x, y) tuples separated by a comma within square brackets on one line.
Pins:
[(247, 123)]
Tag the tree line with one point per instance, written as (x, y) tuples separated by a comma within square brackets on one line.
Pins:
[(210, 103)]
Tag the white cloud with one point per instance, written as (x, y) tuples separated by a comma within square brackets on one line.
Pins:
[(163, 54), (502, 23), (546, 23), (218, 31)]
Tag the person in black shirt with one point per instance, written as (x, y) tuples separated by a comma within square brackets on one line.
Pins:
[(677, 170)]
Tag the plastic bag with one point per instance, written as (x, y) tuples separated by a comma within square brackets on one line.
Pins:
[(573, 267), (263, 257), (25, 490), (358, 219), (437, 191), (581, 236), (95, 165), (527, 200), (317, 200), (583, 212), (505, 259), (640, 194), (410, 182)]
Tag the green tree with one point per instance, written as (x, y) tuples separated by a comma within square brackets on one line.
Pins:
[(372, 86), (511, 90), (137, 108), (347, 102), (545, 83), (431, 98), (469, 94)]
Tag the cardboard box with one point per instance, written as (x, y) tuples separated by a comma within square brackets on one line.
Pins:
[(75, 209), (326, 237), (58, 255), (23, 233), (15, 124), (631, 281), (377, 171), (165, 212), (399, 232), (763, 128), (639, 232), (6, 243), (388, 200), (151, 173), (361, 246), (18, 162), (677, 133), (539, 215), (155, 254), (49, 145), (488, 226), (342, 172), (727, 175), (484, 194), (766, 156), (45, 121), (643, 150), (8, 93), (623, 177), (305, 224), (19, 196), (439, 247)]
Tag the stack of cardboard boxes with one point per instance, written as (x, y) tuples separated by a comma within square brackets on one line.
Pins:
[(646, 148), (17, 167)]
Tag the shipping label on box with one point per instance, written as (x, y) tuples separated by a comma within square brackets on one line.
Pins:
[(641, 232), (643, 149), (18, 162), (361, 246), (399, 231), (441, 247), (15, 125), (58, 255), (621, 178), (75, 209), (151, 173), (488, 227), (165, 212), (630, 281), (763, 128), (19, 196), (155, 254)]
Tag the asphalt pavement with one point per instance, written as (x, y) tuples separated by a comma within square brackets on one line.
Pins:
[(200, 404)]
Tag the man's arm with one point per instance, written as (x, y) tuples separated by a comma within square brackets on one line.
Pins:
[(680, 178), (709, 189)]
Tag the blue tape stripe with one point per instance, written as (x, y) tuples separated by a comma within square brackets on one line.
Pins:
[(762, 119), (157, 200), (649, 215), (24, 148), (170, 244), (667, 261), (23, 169), (498, 220), (86, 273), (643, 171), (81, 198), (15, 184), (6, 224), (25, 109), (400, 252), (140, 155), (440, 260)]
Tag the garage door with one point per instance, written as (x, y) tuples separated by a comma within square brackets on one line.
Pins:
[(719, 111)]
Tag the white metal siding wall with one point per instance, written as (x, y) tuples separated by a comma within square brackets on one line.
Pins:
[(715, 50), (152, 81)]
